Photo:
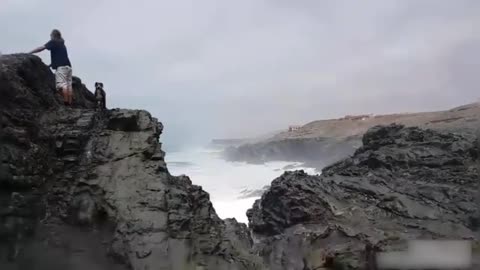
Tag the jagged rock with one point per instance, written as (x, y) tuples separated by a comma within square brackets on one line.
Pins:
[(26, 83), (130, 121), (75, 179), (87, 190), (162, 221), (239, 233), (320, 143), (404, 183), (82, 97), (26, 89)]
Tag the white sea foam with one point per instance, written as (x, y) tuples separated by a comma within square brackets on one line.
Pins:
[(226, 180)]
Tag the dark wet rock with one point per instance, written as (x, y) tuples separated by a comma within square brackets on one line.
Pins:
[(404, 183), (87, 190), (132, 121), (26, 89), (26, 83), (93, 188), (239, 233), (320, 143), (82, 97)]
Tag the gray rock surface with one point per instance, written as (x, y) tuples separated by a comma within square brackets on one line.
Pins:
[(93, 188), (404, 183), (81, 189), (320, 143)]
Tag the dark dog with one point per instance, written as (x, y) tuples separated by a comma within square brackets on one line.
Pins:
[(100, 96)]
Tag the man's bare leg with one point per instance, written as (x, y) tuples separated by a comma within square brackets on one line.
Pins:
[(70, 95), (65, 95)]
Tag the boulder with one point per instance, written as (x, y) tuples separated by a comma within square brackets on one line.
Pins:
[(402, 184)]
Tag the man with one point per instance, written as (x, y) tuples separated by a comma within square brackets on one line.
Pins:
[(61, 63)]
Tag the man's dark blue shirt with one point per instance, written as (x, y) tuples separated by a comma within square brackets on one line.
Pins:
[(58, 53)]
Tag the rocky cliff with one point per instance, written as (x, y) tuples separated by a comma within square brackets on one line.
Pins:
[(81, 189), (320, 143), (402, 184)]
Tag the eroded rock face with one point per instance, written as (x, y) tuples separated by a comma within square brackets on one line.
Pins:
[(320, 143), (81, 189), (92, 191), (404, 183), (26, 89), (162, 221)]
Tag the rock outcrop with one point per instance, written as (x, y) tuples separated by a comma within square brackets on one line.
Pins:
[(402, 184), (323, 142), (83, 189)]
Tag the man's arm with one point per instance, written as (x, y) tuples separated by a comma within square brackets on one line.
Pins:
[(39, 49)]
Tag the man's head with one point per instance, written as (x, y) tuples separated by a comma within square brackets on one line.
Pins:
[(56, 35)]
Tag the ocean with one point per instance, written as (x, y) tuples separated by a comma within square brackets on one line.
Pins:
[(228, 183)]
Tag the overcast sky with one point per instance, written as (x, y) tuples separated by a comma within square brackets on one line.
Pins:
[(220, 68)]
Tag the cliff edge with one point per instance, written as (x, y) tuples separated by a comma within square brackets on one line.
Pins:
[(404, 183), (81, 189), (84, 189), (323, 142)]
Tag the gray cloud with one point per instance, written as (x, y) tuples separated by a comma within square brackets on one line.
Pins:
[(239, 68)]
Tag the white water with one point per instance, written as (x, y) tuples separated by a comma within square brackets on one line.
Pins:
[(225, 180)]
